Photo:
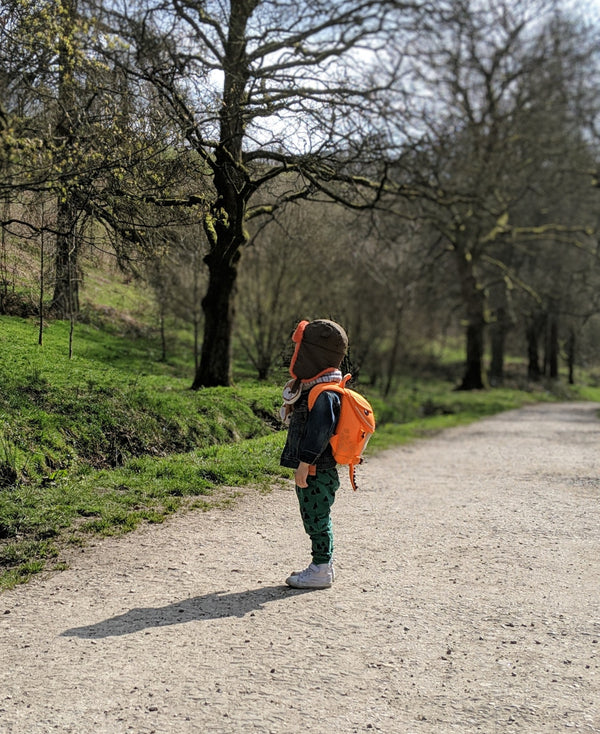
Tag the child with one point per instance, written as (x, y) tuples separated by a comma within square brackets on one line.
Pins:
[(320, 349)]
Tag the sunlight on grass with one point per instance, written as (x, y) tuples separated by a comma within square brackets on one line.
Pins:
[(112, 438)]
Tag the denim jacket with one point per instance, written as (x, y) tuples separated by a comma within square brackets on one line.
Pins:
[(309, 432)]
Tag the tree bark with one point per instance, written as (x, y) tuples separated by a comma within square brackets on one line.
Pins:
[(551, 352), (571, 356), (498, 332), (472, 378), (533, 361), (65, 300), (224, 224), (217, 304), (474, 300), (226, 235)]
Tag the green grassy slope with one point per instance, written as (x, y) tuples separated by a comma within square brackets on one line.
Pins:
[(112, 437)]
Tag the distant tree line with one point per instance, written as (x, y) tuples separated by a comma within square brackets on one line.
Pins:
[(408, 168)]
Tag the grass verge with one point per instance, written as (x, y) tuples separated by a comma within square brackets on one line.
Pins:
[(111, 438)]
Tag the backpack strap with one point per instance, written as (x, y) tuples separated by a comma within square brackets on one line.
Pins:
[(316, 390), (339, 387)]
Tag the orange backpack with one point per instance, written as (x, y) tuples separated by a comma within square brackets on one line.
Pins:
[(355, 425)]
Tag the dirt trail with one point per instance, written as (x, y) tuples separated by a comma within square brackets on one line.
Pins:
[(467, 600)]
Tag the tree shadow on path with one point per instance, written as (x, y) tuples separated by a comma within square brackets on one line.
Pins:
[(216, 605)]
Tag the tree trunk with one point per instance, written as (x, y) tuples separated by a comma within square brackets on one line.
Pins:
[(65, 301), (496, 374), (224, 224), (217, 304), (42, 264), (196, 314), (533, 361), (472, 379), (498, 332), (571, 356), (551, 351), (474, 300)]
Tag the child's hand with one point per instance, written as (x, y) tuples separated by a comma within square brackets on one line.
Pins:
[(301, 474)]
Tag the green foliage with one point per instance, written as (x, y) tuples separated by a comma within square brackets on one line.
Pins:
[(107, 404), (586, 392)]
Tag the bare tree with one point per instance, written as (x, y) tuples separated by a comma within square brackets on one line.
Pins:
[(487, 77), (261, 89)]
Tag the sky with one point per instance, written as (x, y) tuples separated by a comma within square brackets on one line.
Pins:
[(589, 8)]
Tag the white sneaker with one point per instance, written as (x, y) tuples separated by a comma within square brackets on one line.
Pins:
[(297, 573), (314, 577)]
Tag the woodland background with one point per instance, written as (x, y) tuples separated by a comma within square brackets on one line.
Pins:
[(414, 170), (182, 181)]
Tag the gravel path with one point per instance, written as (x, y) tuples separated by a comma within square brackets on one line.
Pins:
[(467, 600)]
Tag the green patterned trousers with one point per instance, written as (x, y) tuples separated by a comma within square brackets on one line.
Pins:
[(315, 509)]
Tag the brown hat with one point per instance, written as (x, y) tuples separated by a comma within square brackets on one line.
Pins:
[(320, 345)]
